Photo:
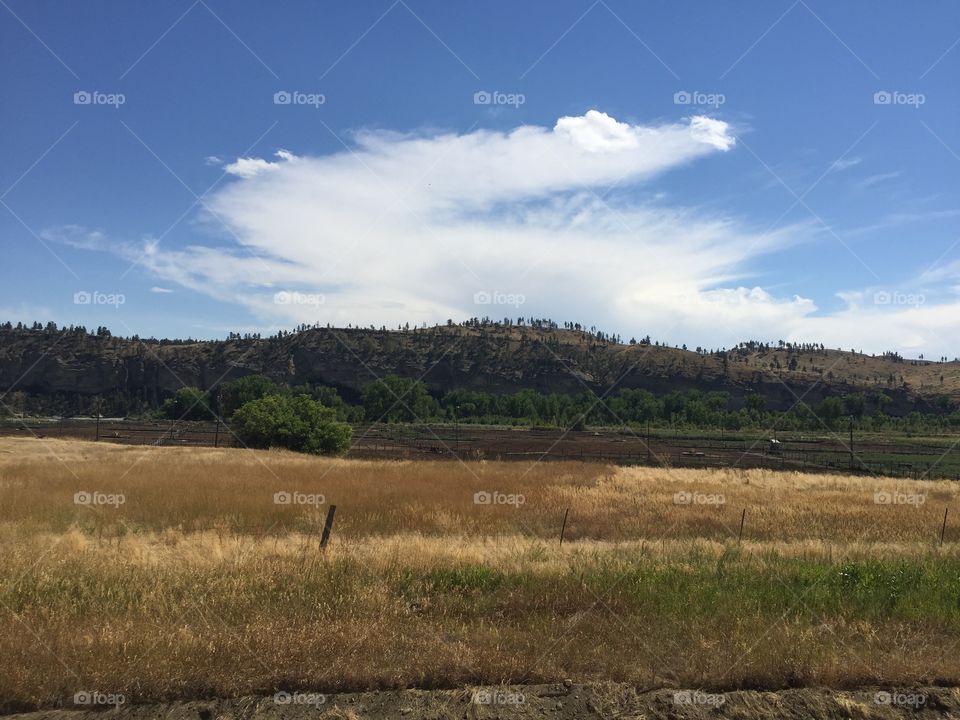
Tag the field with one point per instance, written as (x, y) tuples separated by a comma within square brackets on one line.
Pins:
[(919, 457), (176, 574)]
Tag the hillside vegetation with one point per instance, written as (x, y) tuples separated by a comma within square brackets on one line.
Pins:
[(54, 370)]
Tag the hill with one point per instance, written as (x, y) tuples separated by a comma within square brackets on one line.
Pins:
[(64, 370)]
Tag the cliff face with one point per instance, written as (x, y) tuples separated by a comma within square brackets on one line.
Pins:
[(132, 375)]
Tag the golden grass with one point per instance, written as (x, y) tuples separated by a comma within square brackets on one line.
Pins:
[(199, 584), (233, 491)]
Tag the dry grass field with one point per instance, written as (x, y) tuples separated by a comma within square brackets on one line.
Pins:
[(165, 573)]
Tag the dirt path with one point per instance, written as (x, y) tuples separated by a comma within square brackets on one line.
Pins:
[(559, 702)]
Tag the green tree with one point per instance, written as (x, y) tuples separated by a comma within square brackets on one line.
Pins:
[(855, 404), (755, 403), (188, 403), (236, 393), (831, 410), (397, 399), (296, 423)]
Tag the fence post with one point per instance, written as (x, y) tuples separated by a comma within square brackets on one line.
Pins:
[(943, 528), (564, 526), (743, 517), (327, 527)]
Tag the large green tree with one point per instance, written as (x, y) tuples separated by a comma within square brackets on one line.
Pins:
[(297, 423), (397, 399), (235, 393)]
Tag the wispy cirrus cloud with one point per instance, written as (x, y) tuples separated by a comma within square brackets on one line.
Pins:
[(878, 178), (845, 163)]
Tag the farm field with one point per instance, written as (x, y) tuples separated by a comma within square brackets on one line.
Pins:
[(167, 574), (920, 457)]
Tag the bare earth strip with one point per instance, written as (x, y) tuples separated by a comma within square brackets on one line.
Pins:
[(559, 701)]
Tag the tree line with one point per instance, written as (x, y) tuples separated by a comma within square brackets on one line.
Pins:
[(394, 399)]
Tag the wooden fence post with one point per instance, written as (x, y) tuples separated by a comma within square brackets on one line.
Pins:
[(327, 527), (743, 517), (564, 526), (943, 528)]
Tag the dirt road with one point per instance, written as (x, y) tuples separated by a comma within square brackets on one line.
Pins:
[(561, 702)]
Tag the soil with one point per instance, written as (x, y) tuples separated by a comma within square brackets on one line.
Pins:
[(566, 701)]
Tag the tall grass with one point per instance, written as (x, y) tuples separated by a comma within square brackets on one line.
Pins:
[(199, 585), (233, 491)]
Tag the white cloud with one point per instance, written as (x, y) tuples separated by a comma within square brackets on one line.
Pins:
[(598, 132), (845, 164), (160, 290), (76, 236), (872, 180), (251, 167), (409, 228)]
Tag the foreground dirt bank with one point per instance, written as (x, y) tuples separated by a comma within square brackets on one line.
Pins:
[(562, 701)]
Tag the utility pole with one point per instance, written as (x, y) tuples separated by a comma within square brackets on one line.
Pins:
[(456, 418), (216, 433), (98, 418)]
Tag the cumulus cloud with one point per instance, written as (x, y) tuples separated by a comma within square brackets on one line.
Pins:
[(420, 228), (251, 167), (410, 228)]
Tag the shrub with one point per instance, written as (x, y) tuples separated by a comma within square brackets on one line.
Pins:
[(296, 423)]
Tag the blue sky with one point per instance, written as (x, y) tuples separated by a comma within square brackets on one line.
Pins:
[(702, 172)]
